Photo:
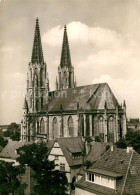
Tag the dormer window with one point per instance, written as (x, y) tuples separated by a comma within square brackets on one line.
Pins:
[(102, 180)]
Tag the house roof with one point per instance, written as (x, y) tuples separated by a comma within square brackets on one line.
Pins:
[(104, 172), (120, 162), (66, 144), (87, 97), (10, 149), (95, 153)]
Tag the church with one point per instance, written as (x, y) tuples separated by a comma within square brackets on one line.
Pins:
[(70, 110)]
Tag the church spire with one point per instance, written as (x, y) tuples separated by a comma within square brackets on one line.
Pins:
[(65, 54), (37, 53)]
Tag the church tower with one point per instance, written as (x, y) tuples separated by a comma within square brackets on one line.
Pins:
[(65, 70), (37, 78)]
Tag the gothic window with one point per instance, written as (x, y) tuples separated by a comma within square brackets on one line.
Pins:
[(37, 127), (82, 125), (111, 128), (42, 126), (101, 125), (87, 126), (70, 127), (101, 128), (92, 125), (55, 128), (65, 79), (41, 77)]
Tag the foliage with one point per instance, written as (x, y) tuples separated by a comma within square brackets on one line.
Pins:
[(87, 163), (132, 138), (48, 181), (3, 142), (107, 147), (121, 143), (97, 139), (10, 179), (13, 131)]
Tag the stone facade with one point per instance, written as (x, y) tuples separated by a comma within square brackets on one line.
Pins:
[(85, 111)]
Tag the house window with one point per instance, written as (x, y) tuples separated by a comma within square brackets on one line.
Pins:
[(62, 167), (56, 157), (90, 177)]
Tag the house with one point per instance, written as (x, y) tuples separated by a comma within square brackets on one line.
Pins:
[(68, 155), (117, 172)]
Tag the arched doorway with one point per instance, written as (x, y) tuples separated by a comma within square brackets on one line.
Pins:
[(70, 127)]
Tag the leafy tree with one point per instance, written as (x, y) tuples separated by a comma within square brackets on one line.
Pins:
[(48, 181), (3, 142), (121, 143), (13, 131), (10, 179), (97, 139), (132, 138)]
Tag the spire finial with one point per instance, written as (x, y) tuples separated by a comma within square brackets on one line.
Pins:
[(65, 27)]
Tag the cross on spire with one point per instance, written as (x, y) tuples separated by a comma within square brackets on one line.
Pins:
[(37, 53), (65, 54)]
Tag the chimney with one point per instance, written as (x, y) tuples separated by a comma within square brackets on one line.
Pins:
[(129, 149), (112, 148)]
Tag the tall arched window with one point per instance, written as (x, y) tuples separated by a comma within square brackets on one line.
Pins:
[(111, 128), (42, 126), (55, 128), (41, 77), (37, 126), (82, 125), (70, 127), (65, 79), (87, 126), (101, 128)]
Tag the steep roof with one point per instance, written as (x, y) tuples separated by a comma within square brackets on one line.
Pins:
[(10, 149), (68, 144), (117, 162), (88, 97)]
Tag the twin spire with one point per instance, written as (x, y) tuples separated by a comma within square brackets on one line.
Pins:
[(65, 54), (37, 53)]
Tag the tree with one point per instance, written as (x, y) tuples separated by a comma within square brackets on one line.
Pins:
[(13, 131), (48, 181), (132, 138), (10, 179), (3, 142)]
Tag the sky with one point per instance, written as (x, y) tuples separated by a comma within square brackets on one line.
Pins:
[(104, 39)]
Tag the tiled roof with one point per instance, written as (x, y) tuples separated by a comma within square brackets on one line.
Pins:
[(120, 162), (10, 149), (72, 142), (88, 97), (97, 150)]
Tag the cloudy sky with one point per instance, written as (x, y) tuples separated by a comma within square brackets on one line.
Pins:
[(104, 38)]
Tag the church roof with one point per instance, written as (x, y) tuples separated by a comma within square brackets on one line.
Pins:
[(65, 53), (37, 53), (116, 163), (89, 97)]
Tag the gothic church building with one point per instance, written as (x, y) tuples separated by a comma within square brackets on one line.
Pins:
[(69, 111)]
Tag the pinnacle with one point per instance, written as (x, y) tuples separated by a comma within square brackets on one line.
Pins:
[(65, 54), (37, 53)]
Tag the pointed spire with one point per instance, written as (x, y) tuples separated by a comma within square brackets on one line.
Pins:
[(124, 104), (65, 54), (37, 53), (25, 105)]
